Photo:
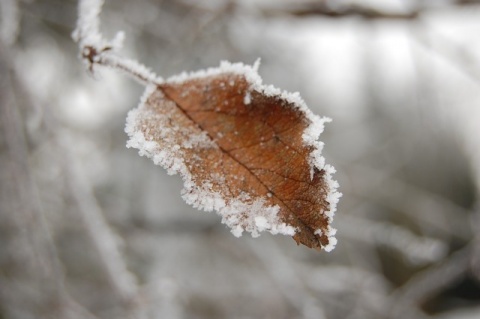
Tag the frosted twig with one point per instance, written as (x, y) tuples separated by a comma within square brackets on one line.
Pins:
[(23, 204), (448, 49), (104, 240), (290, 283), (437, 212), (131, 67), (419, 250), (429, 282), (96, 50), (301, 285)]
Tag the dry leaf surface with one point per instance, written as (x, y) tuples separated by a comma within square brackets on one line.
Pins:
[(248, 151)]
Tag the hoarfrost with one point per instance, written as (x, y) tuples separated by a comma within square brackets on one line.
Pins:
[(199, 140), (240, 213), (247, 99), (96, 50)]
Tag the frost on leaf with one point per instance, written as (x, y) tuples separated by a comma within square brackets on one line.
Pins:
[(247, 151)]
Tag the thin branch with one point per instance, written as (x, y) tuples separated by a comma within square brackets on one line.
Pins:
[(323, 8), (26, 210), (290, 283), (38, 256), (105, 241), (342, 10), (437, 212), (131, 67), (424, 285), (447, 49), (96, 50), (418, 249)]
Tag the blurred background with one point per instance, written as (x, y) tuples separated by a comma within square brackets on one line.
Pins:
[(89, 229)]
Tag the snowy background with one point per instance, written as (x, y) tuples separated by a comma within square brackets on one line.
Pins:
[(401, 81)]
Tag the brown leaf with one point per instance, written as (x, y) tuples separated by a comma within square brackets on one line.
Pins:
[(247, 151)]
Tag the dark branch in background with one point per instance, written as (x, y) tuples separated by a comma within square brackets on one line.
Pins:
[(466, 2), (325, 8)]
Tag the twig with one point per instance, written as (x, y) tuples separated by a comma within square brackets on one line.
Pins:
[(105, 241), (324, 9), (290, 283), (96, 50), (449, 50), (342, 10), (418, 249), (438, 213), (38, 257), (420, 287)]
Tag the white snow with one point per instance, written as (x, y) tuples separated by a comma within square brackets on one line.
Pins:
[(239, 214), (331, 237), (199, 140), (131, 67), (88, 24), (247, 99)]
